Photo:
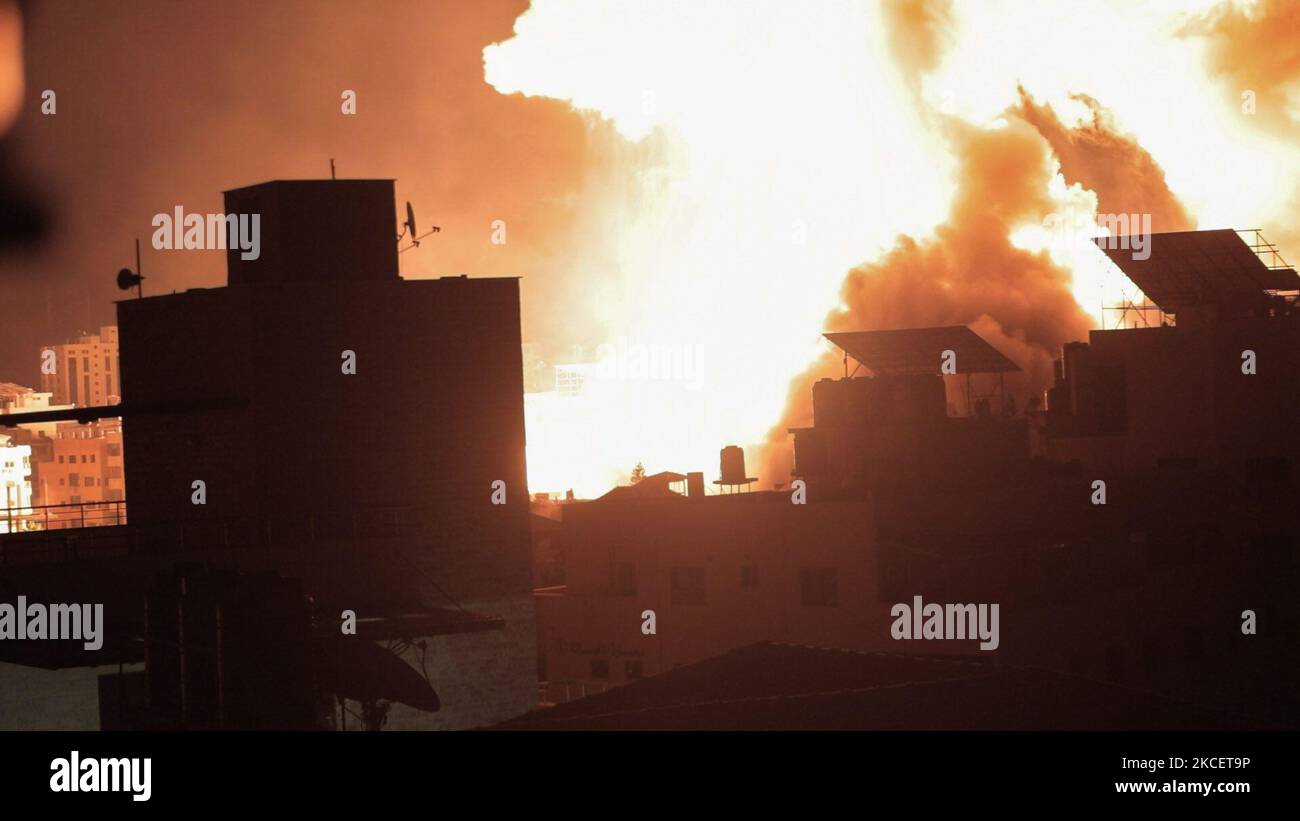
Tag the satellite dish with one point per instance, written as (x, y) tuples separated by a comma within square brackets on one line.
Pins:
[(408, 229), (128, 279)]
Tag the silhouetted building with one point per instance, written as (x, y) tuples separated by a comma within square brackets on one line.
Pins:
[(361, 433), (327, 388), (1124, 531)]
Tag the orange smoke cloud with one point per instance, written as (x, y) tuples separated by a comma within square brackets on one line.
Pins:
[(969, 273), (1124, 176), (918, 34), (1256, 50), (1256, 53)]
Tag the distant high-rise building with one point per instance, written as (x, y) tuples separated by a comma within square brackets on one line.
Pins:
[(86, 372)]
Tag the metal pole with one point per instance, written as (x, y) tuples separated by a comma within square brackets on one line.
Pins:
[(139, 285)]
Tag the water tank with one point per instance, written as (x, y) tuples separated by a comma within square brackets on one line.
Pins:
[(733, 466)]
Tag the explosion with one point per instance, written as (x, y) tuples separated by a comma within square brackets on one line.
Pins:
[(859, 166)]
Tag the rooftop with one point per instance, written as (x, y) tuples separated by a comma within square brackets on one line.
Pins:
[(768, 686)]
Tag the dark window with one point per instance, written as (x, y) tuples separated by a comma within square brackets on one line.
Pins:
[(687, 585), (632, 669), (600, 668), (114, 450), (624, 578), (74, 479), (818, 586), (92, 458), (749, 576)]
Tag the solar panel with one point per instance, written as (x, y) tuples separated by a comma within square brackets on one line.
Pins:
[(920, 350), (1189, 268)]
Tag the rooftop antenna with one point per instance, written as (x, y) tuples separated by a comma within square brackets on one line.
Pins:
[(332, 177), (408, 227), (126, 278)]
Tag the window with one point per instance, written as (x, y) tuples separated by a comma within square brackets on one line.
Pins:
[(749, 576), (687, 585), (60, 458), (623, 579), (92, 458), (83, 458), (114, 450), (90, 481), (632, 670), (600, 668), (74, 479), (818, 587)]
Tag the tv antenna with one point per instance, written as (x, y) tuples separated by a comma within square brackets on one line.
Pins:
[(332, 177), (126, 278), (408, 228)]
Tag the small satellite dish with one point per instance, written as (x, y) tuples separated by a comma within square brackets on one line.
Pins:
[(128, 279), (408, 227)]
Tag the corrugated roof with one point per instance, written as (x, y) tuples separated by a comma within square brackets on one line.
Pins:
[(915, 351)]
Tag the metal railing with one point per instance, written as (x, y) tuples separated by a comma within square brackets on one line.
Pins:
[(56, 517)]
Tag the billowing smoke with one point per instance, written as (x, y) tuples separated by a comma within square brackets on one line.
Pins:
[(968, 273), (1124, 176), (1255, 53)]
